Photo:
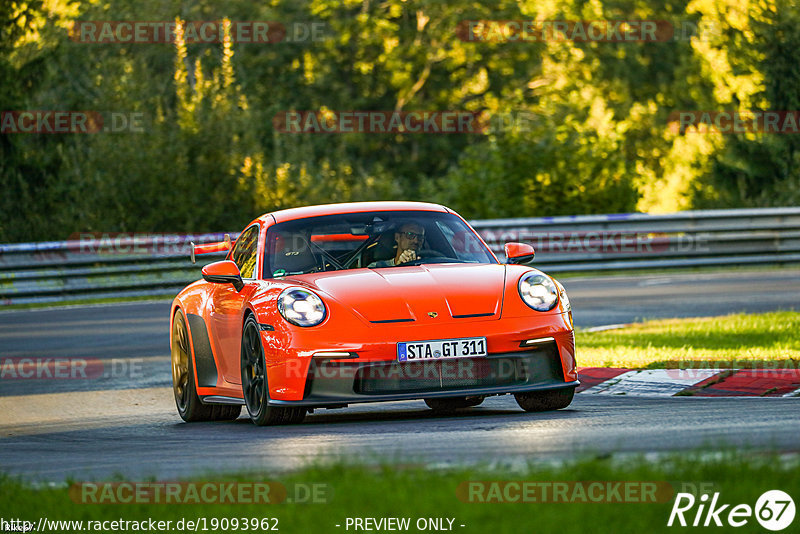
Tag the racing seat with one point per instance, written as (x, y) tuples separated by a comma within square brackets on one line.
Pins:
[(384, 248), (293, 254)]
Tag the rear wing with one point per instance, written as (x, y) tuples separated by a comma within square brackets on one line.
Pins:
[(208, 248)]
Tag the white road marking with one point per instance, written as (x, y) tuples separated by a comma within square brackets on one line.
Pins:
[(795, 393), (652, 382), (605, 327), (656, 282)]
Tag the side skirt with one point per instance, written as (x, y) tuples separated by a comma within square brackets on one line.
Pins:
[(220, 399)]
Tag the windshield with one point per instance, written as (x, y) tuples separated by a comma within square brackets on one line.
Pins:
[(372, 240)]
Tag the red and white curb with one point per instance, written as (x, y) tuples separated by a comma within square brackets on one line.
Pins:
[(690, 382)]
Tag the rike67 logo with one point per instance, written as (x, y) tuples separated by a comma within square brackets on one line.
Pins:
[(774, 510)]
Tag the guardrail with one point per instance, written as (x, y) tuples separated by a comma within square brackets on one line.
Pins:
[(158, 265)]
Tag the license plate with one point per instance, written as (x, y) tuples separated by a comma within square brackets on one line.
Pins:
[(415, 351)]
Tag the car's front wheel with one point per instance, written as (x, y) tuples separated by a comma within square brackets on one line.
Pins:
[(543, 401), (190, 408), (453, 403), (254, 382)]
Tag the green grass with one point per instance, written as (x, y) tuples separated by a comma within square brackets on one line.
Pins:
[(770, 340), (419, 492)]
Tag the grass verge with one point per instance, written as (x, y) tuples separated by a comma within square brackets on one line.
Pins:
[(416, 492), (769, 340)]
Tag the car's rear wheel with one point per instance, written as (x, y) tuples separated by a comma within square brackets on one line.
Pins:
[(254, 382), (190, 408), (543, 401), (453, 403)]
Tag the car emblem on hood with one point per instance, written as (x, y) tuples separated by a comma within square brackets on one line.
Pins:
[(433, 315)]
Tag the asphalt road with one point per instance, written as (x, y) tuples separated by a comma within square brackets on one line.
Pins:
[(122, 419), (624, 299), (153, 442)]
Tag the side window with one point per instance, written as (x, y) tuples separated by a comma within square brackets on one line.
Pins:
[(245, 252)]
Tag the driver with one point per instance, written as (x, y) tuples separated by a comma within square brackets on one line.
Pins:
[(409, 239)]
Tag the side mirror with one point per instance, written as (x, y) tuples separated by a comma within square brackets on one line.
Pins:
[(223, 272), (519, 253)]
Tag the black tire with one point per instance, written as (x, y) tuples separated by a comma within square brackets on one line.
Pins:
[(544, 401), (190, 408), (449, 405), (254, 382)]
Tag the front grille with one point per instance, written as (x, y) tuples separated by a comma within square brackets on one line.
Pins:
[(440, 375), (339, 380)]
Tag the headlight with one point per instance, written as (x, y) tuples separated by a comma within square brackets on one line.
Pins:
[(538, 291), (301, 307)]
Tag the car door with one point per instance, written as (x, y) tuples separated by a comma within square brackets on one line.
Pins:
[(227, 305)]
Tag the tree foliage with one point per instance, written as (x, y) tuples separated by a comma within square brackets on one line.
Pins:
[(575, 127)]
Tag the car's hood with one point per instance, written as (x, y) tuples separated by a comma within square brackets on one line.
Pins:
[(397, 294)]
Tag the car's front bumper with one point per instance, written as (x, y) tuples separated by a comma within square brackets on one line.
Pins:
[(291, 356), (332, 383)]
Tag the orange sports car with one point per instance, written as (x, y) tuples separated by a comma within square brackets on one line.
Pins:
[(325, 306)]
